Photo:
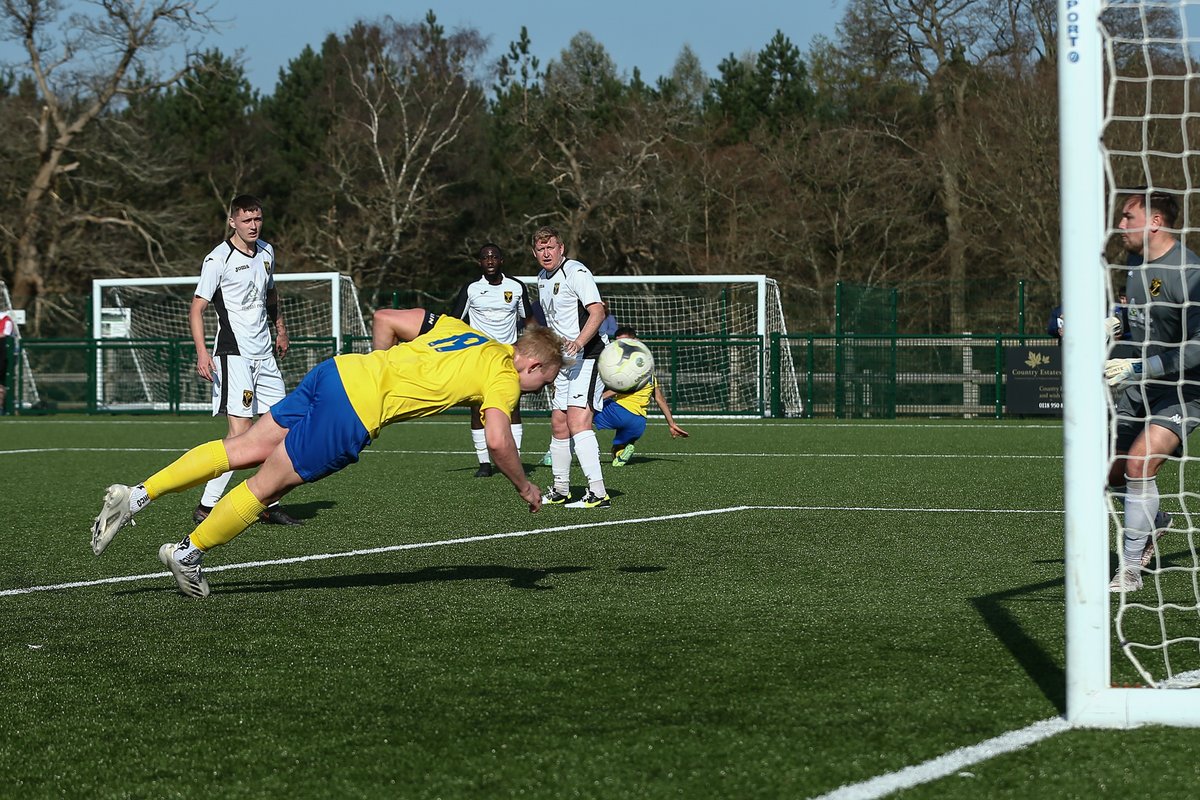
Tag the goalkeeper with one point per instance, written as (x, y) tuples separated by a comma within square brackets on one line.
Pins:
[(335, 412), (1158, 393)]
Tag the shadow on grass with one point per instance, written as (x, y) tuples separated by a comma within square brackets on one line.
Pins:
[(1049, 676), (638, 458), (517, 577), (305, 511), (1045, 672)]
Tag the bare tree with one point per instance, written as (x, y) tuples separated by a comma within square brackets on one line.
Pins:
[(857, 211), (598, 144), (944, 43), (81, 66), (407, 93)]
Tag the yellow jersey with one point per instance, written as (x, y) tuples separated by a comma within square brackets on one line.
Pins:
[(636, 402), (449, 365)]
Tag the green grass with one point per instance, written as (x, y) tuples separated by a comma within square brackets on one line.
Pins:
[(751, 653)]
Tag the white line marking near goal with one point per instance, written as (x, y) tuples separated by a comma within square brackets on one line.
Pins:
[(949, 763), (374, 550), (707, 420), (508, 535), (386, 452)]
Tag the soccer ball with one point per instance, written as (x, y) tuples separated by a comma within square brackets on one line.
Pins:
[(626, 365)]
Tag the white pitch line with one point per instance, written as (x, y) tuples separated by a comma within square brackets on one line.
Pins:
[(872, 789), (949, 763), (707, 420), (384, 451), (510, 535), (373, 550)]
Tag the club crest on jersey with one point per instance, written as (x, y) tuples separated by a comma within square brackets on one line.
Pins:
[(1155, 287), (556, 288), (508, 297), (247, 398)]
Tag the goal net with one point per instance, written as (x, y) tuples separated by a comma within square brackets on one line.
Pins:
[(19, 366), (710, 335), (146, 359), (1128, 100)]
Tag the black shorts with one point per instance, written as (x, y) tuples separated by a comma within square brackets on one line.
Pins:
[(1174, 406)]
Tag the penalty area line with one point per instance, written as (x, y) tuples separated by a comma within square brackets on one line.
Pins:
[(949, 763), (375, 550), (511, 535)]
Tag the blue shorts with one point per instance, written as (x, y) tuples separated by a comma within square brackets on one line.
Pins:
[(629, 426), (323, 432)]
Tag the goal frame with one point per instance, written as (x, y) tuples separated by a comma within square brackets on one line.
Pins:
[(762, 317), (1092, 700), (20, 368), (101, 285)]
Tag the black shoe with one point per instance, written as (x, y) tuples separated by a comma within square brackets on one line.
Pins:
[(484, 471), (201, 513), (277, 516)]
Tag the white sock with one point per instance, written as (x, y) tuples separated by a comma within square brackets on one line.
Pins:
[(138, 499), (587, 450), (479, 439), (1141, 507), (560, 464), (518, 433), (214, 489), (186, 552)]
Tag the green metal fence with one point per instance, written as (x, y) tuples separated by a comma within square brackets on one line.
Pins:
[(859, 375), (879, 376)]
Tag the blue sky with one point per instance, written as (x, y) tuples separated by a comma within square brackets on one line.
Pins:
[(647, 34)]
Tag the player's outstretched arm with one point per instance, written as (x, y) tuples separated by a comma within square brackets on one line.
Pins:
[(661, 400), (497, 430), (392, 325)]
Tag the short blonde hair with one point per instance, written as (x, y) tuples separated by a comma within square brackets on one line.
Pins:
[(542, 345), (545, 234)]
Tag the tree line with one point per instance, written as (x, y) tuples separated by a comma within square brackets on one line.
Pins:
[(917, 147)]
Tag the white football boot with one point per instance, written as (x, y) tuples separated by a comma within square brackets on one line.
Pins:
[(114, 516), (1162, 521), (188, 575), (1127, 579)]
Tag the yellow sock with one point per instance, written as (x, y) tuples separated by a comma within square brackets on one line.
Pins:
[(198, 465), (232, 514)]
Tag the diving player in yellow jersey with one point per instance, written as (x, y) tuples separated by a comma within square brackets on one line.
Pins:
[(336, 411)]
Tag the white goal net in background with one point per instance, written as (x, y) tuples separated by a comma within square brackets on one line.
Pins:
[(1129, 95), (29, 389), (710, 336), (314, 305)]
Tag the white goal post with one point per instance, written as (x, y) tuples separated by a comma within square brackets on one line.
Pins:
[(714, 332), (136, 377), (1110, 96), (29, 390)]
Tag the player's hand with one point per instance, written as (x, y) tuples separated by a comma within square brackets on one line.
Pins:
[(1122, 370), (533, 495), (677, 432), (572, 347), (204, 367), (1112, 328), (281, 343)]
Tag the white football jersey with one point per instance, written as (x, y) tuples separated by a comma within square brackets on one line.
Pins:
[(236, 285), (493, 309), (565, 295)]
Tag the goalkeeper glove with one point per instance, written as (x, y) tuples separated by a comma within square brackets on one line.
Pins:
[(1120, 370), (1123, 370), (1112, 328)]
